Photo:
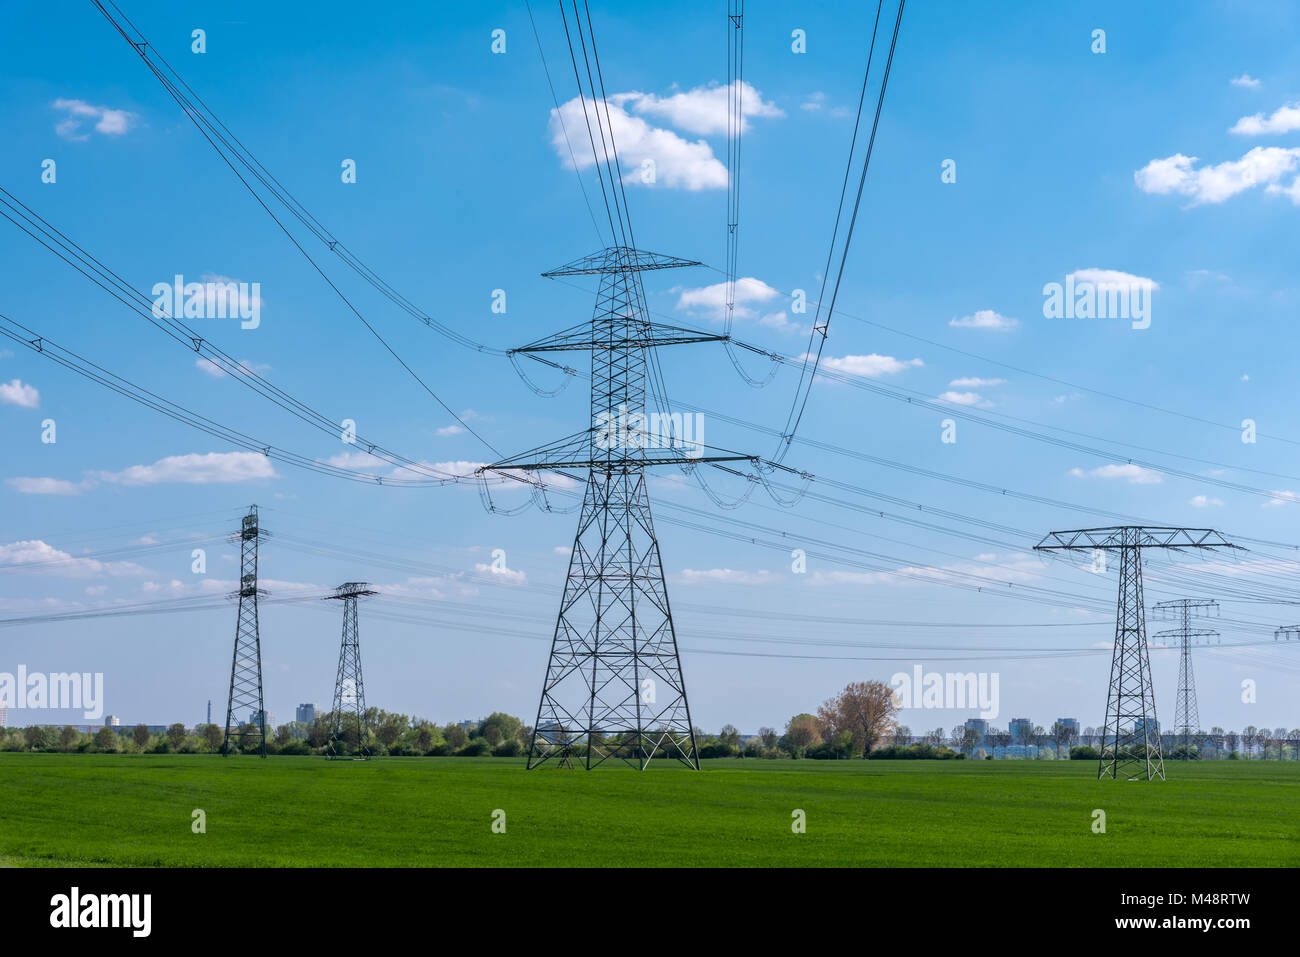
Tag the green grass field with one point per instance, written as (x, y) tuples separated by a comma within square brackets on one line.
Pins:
[(287, 811)]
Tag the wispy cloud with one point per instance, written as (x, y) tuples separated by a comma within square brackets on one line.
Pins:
[(78, 114), (724, 576), (974, 382), (45, 486), (1133, 474), (872, 366), (985, 319), (195, 469)]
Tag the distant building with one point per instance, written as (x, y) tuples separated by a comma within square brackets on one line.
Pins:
[(1014, 728), (255, 718), (129, 730), (981, 727), (112, 720), (1071, 723), (1139, 726), (4, 717), (306, 713)]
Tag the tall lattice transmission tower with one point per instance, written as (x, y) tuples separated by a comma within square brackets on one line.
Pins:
[(349, 686), (1130, 742), (614, 686), (1187, 718), (246, 665)]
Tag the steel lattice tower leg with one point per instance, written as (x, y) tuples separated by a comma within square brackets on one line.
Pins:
[(246, 665), (1130, 742), (349, 687), (614, 684)]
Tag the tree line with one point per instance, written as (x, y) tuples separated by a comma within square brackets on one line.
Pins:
[(861, 721)]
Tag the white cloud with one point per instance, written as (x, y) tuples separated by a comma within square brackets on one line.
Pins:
[(873, 366), (712, 300), (355, 460), (778, 321), (1105, 280), (16, 392), (196, 469), (208, 367), (984, 319), (702, 110), (813, 102), (677, 163), (450, 430), (1261, 166), (1133, 474), (974, 382), (45, 486), (226, 296), (507, 576), (724, 576), (39, 554), (1245, 80), (1019, 567), (963, 398), (107, 121), (1204, 501), (1282, 498), (1285, 119)]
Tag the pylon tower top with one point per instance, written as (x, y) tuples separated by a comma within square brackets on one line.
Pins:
[(620, 435), (352, 590)]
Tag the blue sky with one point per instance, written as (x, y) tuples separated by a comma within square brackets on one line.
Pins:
[(1170, 160)]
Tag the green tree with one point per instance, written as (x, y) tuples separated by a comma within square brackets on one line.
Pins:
[(498, 727), (213, 736), (801, 733), (140, 735), (68, 738), (176, 734), (729, 736), (455, 736), (390, 729), (106, 739)]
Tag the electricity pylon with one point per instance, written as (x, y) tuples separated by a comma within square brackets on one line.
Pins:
[(1130, 738), (349, 688), (613, 685), (246, 665), (1187, 719)]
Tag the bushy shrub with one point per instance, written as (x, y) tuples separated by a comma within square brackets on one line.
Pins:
[(716, 749), (1084, 752)]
